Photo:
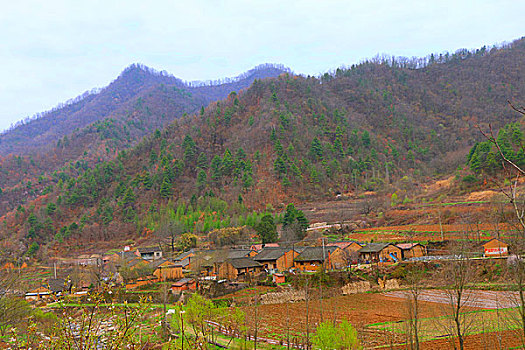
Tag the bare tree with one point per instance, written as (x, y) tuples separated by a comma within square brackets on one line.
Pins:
[(458, 274), (516, 275), (413, 280), (172, 230), (12, 309), (516, 266)]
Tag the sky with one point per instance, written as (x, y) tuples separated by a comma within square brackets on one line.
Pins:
[(54, 50)]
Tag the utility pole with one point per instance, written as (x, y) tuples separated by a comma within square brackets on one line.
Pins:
[(182, 327), (324, 257)]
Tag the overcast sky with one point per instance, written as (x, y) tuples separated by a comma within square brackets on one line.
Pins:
[(51, 51)]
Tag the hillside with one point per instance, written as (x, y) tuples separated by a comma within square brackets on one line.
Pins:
[(383, 126), (94, 127), (121, 98)]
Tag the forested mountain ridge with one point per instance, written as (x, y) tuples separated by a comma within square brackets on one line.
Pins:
[(376, 125), (94, 127), (117, 101)]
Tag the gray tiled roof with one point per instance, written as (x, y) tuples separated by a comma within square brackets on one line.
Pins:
[(241, 263), (238, 253), (268, 254), (373, 247), (315, 253)]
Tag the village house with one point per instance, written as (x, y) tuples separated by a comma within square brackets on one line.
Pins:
[(239, 268), (166, 270), (185, 259), (313, 258), (136, 263), (411, 250), (495, 247), (349, 251), (184, 284), (150, 253), (276, 259), (41, 293), (380, 252), (59, 286), (218, 257)]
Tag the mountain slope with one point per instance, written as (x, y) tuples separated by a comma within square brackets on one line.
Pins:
[(96, 126), (136, 81)]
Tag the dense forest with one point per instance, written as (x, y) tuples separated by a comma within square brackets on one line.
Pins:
[(285, 139)]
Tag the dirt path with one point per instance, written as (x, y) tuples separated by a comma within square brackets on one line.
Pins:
[(472, 298)]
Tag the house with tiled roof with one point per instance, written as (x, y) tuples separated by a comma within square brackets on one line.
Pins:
[(313, 258), (411, 250), (239, 268), (276, 259), (164, 269), (380, 252)]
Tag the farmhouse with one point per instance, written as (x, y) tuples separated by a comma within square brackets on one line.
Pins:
[(59, 285), (239, 268), (185, 259), (312, 258), (184, 284), (380, 252), (346, 245), (495, 247), (89, 260), (348, 253), (166, 270), (136, 263), (39, 293), (150, 253), (411, 250), (276, 259)]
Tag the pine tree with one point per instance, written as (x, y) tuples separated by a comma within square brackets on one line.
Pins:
[(227, 163), (289, 215), (202, 161), (165, 189), (365, 138), (201, 180), (147, 181), (190, 149), (216, 168), (267, 230), (129, 198), (279, 166), (247, 180), (338, 148), (316, 149), (153, 157)]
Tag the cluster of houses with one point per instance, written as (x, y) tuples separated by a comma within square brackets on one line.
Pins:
[(244, 263)]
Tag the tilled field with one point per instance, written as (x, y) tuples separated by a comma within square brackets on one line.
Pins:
[(472, 298), (379, 318), (485, 341), (276, 320)]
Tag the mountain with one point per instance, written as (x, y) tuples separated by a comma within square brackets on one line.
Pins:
[(120, 98), (95, 126), (384, 125)]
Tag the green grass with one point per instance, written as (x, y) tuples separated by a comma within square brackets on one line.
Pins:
[(431, 328)]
